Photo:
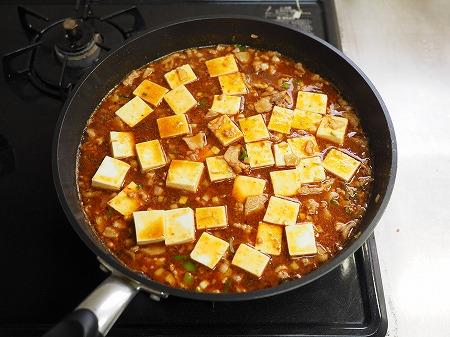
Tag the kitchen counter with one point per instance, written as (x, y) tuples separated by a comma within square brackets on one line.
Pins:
[(404, 48)]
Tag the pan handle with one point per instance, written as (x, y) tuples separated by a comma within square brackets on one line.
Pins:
[(98, 312)]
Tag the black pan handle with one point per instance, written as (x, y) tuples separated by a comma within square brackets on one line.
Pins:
[(96, 315), (80, 322)]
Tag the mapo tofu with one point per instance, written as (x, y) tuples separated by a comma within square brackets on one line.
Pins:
[(224, 169)]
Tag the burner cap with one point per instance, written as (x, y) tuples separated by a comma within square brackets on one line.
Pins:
[(78, 35), (77, 43)]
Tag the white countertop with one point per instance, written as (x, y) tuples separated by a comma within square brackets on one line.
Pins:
[(404, 48)]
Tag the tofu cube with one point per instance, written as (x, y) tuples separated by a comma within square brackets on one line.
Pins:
[(211, 217), (311, 170), (122, 144), (179, 226), (180, 100), (245, 186), (225, 130), (180, 76), (304, 146), (218, 169), (184, 175), (312, 101), (127, 201), (233, 84), (250, 260), (284, 156), (110, 174), (227, 105), (306, 120), (150, 155), (286, 182), (134, 111), (150, 92), (281, 211), (222, 66), (340, 164), (260, 154), (281, 120), (209, 250), (173, 126), (254, 128), (301, 239), (333, 128), (149, 226), (269, 238)]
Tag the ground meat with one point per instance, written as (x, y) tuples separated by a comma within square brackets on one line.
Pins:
[(316, 189), (345, 228), (196, 142), (211, 114), (238, 207), (255, 204), (259, 84), (215, 124), (231, 156), (312, 206), (282, 98), (243, 56), (263, 105), (130, 78), (246, 228), (148, 71)]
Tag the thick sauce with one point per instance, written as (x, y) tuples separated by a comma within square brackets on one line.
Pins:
[(333, 205)]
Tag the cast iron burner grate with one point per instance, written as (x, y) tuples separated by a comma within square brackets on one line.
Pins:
[(61, 51)]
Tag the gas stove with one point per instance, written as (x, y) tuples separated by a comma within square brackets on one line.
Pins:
[(47, 270)]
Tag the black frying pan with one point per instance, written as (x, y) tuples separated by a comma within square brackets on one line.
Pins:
[(100, 310)]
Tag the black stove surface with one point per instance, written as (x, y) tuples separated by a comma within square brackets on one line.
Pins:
[(47, 270)]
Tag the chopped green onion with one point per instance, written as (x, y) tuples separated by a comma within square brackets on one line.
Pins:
[(286, 85), (243, 155), (241, 47), (227, 285), (202, 104), (188, 279), (189, 265), (180, 257)]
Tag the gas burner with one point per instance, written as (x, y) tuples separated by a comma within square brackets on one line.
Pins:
[(60, 52), (78, 45)]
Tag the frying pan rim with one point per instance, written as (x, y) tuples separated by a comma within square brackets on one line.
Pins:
[(112, 261)]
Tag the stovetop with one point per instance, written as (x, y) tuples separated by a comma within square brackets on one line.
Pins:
[(47, 270)]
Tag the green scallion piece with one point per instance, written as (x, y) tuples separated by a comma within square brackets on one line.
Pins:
[(227, 285), (202, 104), (188, 279), (189, 266), (243, 155)]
